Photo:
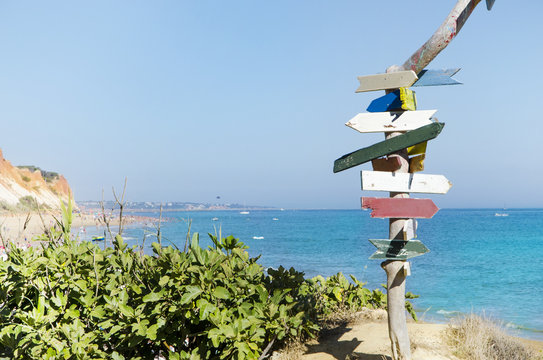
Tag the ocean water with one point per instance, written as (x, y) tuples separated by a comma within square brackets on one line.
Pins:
[(478, 262)]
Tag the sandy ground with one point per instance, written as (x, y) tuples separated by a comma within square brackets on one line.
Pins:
[(367, 339), (13, 228)]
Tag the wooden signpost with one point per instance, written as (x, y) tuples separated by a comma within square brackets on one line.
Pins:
[(398, 158), (388, 146)]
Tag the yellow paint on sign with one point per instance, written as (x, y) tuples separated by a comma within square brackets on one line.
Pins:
[(420, 148), (408, 99), (416, 163)]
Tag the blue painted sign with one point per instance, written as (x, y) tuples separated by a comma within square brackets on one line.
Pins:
[(389, 102), (399, 100), (437, 77)]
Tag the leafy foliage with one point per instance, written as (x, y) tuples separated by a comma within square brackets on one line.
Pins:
[(73, 300)]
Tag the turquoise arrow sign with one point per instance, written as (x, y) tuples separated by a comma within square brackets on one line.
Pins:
[(437, 77), (397, 249)]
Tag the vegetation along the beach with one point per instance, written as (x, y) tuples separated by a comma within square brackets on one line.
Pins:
[(73, 299)]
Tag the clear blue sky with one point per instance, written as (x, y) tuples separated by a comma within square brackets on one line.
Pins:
[(248, 99)]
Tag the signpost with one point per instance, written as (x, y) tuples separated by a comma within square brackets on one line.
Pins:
[(406, 134)]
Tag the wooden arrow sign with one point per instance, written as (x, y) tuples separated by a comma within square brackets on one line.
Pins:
[(388, 102), (437, 77), (397, 249), (404, 182), (401, 99), (410, 229), (390, 121), (391, 164), (388, 146), (387, 81), (401, 208)]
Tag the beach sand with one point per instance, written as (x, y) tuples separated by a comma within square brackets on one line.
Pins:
[(13, 228), (367, 339)]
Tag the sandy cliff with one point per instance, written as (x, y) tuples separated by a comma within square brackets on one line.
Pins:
[(18, 184)]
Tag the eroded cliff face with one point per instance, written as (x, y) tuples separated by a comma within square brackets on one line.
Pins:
[(17, 185)]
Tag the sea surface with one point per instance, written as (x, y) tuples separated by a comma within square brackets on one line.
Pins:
[(484, 261)]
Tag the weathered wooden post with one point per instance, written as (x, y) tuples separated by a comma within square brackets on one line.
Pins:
[(407, 132)]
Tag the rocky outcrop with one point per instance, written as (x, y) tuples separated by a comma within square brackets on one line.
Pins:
[(19, 185)]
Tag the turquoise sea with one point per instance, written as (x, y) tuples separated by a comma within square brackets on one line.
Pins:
[(478, 262)]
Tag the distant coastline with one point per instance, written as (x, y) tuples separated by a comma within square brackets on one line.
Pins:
[(178, 206), (148, 206)]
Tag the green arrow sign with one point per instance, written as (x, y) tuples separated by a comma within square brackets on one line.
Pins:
[(389, 146), (397, 249)]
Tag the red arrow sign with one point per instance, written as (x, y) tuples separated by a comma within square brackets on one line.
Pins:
[(400, 207)]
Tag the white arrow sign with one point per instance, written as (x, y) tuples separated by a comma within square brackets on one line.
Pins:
[(393, 80), (404, 182), (410, 229), (390, 121)]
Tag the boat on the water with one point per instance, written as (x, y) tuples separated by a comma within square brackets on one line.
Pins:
[(244, 212), (98, 238)]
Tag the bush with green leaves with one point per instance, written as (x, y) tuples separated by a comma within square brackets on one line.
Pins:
[(73, 300)]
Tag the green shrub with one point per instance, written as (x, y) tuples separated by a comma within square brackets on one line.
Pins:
[(25, 178), (75, 300), (49, 176), (5, 206), (27, 203)]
